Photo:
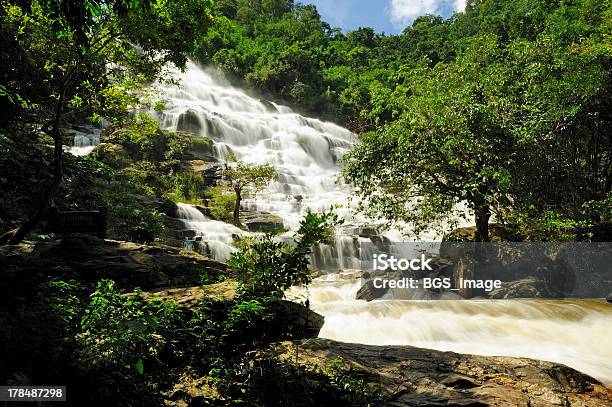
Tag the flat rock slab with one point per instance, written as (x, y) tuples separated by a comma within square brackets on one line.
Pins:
[(131, 265), (410, 376)]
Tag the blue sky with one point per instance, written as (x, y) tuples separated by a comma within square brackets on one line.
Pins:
[(389, 16)]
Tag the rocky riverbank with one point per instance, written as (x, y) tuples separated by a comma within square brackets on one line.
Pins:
[(409, 376)]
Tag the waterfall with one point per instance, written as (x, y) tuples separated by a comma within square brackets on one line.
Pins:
[(212, 237), (85, 138), (306, 153)]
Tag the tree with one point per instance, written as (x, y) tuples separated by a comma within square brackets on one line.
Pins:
[(452, 144), (74, 47), (243, 178)]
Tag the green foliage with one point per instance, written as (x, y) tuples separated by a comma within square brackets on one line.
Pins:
[(65, 300), (123, 331), (24, 165), (159, 106), (136, 223), (242, 176), (269, 381), (244, 314), (189, 187), (73, 48), (221, 203), (270, 266), (494, 125), (351, 381)]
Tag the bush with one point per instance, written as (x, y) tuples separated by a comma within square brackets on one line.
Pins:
[(268, 381), (269, 266), (221, 204), (124, 331), (189, 187), (136, 223)]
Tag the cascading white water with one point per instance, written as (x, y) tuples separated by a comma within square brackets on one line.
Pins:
[(306, 153), (572, 332), (213, 237), (85, 139)]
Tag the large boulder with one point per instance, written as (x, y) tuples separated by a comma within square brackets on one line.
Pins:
[(410, 376), (609, 297), (88, 258), (261, 221)]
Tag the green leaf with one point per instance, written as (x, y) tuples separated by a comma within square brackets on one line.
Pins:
[(139, 366)]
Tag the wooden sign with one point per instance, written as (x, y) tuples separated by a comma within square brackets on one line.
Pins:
[(86, 222)]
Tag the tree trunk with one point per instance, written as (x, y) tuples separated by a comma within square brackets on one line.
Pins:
[(17, 235), (237, 206), (482, 215)]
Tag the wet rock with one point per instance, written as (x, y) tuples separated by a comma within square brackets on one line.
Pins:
[(609, 297), (465, 269), (302, 321), (261, 221), (369, 292), (409, 376), (530, 287), (189, 122), (269, 105)]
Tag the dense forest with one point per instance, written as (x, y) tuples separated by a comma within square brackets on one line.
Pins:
[(503, 108)]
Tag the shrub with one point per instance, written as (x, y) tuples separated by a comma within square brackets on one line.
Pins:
[(270, 266), (136, 223), (124, 330), (189, 187), (221, 203)]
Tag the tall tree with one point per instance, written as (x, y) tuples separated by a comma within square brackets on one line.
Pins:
[(77, 47), (452, 144)]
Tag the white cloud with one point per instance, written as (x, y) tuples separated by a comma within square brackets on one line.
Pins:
[(459, 5), (403, 12)]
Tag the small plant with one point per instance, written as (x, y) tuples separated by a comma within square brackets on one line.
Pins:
[(221, 204), (189, 187), (271, 266), (65, 299), (123, 330), (159, 106), (137, 223)]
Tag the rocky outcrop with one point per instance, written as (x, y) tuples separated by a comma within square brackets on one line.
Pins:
[(90, 259), (368, 292), (409, 376), (261, 221), (530, 287), (283, 316)]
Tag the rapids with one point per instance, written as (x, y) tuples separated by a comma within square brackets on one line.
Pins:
[(306, 153), (573, 332)]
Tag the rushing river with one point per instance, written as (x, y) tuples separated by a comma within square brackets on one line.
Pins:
[(306, 152)]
